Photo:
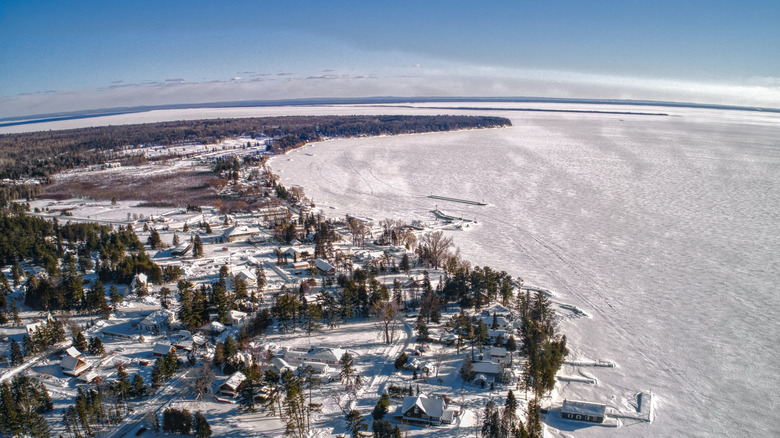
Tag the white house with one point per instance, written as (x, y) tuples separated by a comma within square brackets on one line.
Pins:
[(240, 233), (157, 320), (330, 356), (425, 411), (237, 318)]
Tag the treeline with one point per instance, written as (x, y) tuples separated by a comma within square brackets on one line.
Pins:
[(42, 154), (66, 252)]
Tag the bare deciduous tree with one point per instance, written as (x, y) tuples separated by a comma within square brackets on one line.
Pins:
[(387, 312), (435, 246)]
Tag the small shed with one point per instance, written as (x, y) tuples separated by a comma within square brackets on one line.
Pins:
[(583, 411), (72, 352)]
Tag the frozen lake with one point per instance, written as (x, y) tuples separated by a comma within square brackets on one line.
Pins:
[(664, 229)]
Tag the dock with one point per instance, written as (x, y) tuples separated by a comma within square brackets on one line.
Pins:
[(462, 201), (441, 215)]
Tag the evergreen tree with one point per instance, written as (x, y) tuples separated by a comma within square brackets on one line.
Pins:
[(467, 369), (197, 248), (138, 385), (401, 361), (96, 347), (355, 422), (16, 356), (80, 342), (202, 428), (381, 408)]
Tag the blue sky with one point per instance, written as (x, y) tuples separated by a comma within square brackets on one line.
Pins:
[(73, 55)]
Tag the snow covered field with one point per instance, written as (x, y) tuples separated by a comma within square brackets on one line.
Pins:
[(662, 229)]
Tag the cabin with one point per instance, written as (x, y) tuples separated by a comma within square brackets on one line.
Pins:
[(300, 265), (230, 387), (583, 411), (163, 349), (425, 411), (324, 267), (73, 366)]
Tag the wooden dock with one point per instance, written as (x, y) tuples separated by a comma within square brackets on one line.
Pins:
[(462, 201)]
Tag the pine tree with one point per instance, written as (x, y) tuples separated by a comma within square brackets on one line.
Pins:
[(197, 248), (96, 347), (355, 422), (510, 410), (16, 356), (381, 408), (138, 385), (202, 428), (80, 342)]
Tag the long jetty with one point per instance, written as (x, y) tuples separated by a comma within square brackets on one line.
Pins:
[(462, 201)]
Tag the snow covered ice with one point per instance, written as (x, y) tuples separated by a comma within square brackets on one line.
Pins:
[(663, 229)]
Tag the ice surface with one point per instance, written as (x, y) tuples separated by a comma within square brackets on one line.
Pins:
[(662, 229)]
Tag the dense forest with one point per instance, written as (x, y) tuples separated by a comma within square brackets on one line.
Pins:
[(42, 154)]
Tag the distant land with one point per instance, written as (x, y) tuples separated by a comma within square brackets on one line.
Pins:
[(86, 114)]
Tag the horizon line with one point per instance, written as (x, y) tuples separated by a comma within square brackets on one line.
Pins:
[(323, 101)]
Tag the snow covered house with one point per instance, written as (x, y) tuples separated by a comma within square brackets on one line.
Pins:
[(425, 411), (249, 277), (489, 369), (72, 352), (73, 366), (330, 356), (181, 249), (501, 322), (158, 320), (583, 411), (163, 349), (300, 265), (324, 267), (230, 387), (280, 365), (240, 233), (498, 355)]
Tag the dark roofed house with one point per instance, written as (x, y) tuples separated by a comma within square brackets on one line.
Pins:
[(583, 411)]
